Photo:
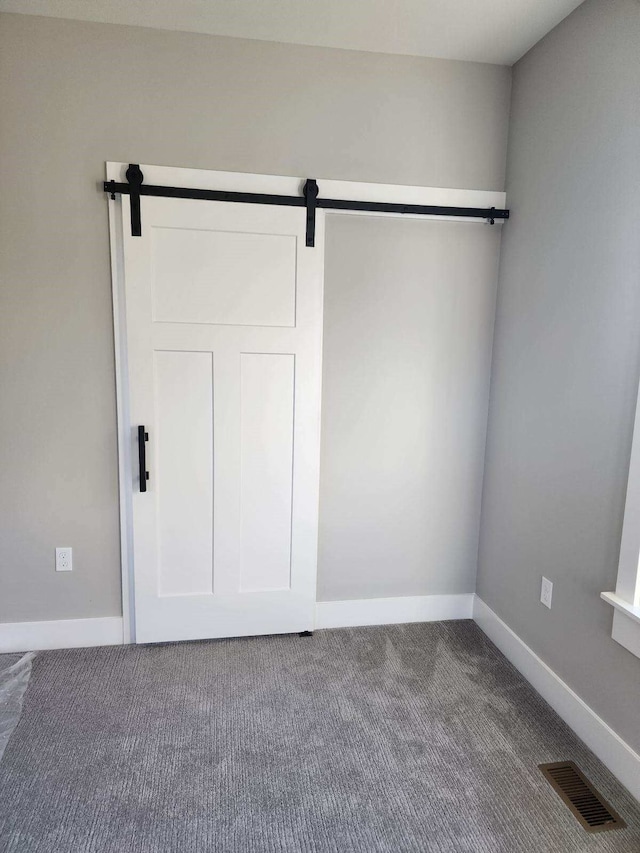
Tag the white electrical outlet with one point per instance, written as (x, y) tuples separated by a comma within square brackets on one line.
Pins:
[(63, 560), (546, 592)]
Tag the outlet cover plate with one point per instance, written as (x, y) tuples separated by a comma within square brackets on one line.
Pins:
[(64, 560), (546, 592)]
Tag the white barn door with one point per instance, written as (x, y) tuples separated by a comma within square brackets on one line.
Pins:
[(223, 326)]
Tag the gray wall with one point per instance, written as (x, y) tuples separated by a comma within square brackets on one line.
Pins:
[(567, 353), (409, 309), (74, 95)]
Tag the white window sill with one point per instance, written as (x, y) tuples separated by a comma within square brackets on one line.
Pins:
[(626, 622), (622, 605)]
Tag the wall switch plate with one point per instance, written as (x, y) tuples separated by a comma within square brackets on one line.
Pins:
[(546, 592), (63, 560)]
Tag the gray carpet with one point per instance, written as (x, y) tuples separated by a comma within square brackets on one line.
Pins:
[(403, 738)]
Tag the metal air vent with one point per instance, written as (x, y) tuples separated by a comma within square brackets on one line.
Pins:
[(573, 787)]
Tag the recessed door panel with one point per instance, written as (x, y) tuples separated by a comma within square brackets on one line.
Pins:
[(184, 466), (223, 277), (266, 463)]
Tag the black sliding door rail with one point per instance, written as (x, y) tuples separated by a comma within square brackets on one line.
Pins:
[(135, 188)]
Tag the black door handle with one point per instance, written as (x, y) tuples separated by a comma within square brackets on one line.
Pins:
[(143, 437)]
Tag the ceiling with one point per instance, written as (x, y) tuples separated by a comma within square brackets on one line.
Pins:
[(498, 31)]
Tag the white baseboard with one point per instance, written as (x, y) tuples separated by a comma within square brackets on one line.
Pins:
[(617, 755), (60, 634), (391, 611), (108, 631)]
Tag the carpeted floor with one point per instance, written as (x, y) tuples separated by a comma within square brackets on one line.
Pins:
[(404, 738)]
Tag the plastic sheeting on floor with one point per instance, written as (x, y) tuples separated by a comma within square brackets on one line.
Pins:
[(13, 683)]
